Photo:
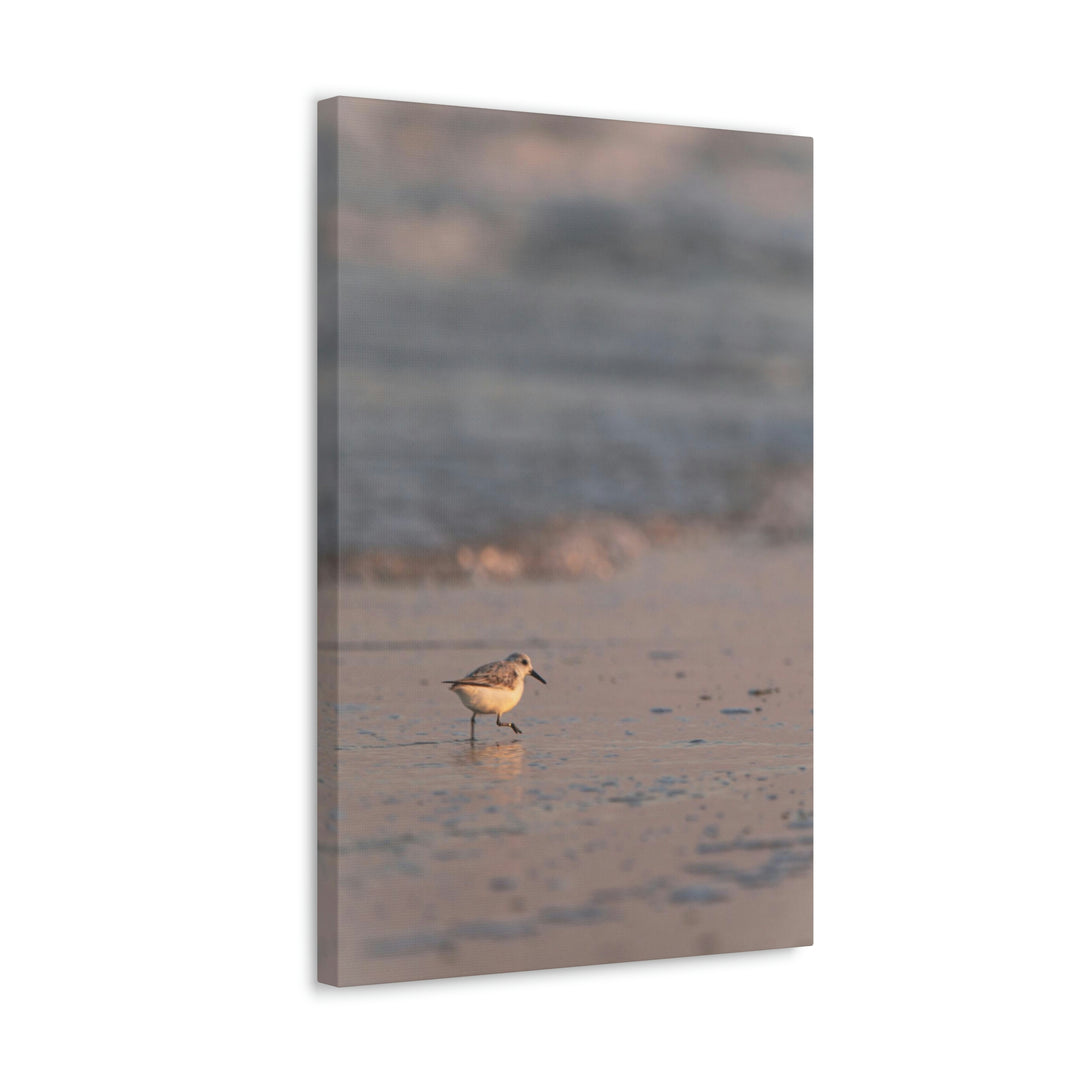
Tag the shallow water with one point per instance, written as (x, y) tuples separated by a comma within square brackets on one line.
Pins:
[(525, 316), (455, 427)]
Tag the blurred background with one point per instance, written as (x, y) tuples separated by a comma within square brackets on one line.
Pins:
[(559, 340)]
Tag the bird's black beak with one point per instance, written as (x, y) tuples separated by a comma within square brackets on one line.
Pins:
[(535, 676)]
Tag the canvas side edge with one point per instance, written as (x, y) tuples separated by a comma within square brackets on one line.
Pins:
[(328, 536)]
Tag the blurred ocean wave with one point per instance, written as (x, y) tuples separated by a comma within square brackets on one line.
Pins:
[(548, 318)]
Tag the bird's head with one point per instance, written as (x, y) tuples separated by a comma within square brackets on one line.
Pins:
[(523, 662)]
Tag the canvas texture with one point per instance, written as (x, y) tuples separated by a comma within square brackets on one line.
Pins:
[(564, 541)]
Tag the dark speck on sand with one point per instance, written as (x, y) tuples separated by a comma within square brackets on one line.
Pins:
[(698, 894)]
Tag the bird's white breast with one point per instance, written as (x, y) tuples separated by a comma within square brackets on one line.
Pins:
[(490, 699)]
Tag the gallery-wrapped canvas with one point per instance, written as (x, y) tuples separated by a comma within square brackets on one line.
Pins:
[(564, 541)]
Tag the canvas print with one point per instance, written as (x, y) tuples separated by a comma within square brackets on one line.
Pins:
[(564, 541)]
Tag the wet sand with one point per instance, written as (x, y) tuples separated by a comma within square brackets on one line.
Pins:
[(658, 802)]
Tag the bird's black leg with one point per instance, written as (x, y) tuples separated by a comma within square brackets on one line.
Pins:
[(515, 727), (472, 726)]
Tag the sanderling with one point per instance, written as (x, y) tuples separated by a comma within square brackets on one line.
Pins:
[(494, 688)]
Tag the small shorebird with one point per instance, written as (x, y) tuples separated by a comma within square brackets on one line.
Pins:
[(494, 688)]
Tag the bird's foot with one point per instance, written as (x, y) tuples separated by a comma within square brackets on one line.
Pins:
[(515, 728)]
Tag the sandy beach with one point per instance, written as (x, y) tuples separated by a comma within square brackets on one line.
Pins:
[(658, 802)]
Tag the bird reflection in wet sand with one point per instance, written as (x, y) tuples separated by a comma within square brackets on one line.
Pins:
[(499, 768), (494, 689), (505, 760)]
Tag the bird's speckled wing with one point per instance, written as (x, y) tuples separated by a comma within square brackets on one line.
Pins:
[(497, 673)]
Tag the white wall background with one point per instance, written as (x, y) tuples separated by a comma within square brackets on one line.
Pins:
[(156, 446)]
